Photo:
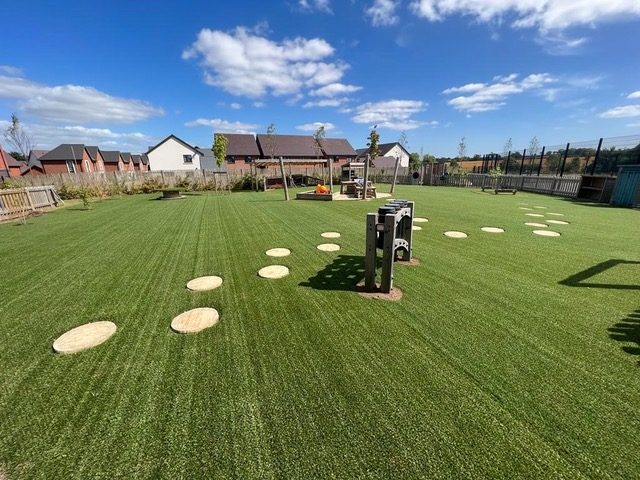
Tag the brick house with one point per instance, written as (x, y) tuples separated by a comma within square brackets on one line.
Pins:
[(136, 160), (339, 149), (128, 162), (242, 150), (34, 166), (144, 162), (9, 166), (67, 158), (113, 161), (96, 157)]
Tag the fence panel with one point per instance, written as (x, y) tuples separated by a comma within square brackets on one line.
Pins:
[(16, 203)]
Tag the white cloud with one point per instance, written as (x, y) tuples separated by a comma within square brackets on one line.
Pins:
[(549, 17), (312, 127), (626, 111), (392, 114), (259, 104), (235, 106), (11, 70), (319, 5), (49, 136), (634, 95), (326, 102), (335, 89), (223, 126), (73, 103), (383, 13), (244, 63), (483, 97)]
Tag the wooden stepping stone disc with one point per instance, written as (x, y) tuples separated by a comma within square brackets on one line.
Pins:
[(546, 233), (525, 208), (273, 271), (492, 229), (202, 284), (534, 214), (420, 220), (556, 214), (330, 235), (557, 222), (538, 225), (84, 337), (383, 195), (278, 252), (416, 228), (454, 234), (328, 247), (537, 206), (196, 320)]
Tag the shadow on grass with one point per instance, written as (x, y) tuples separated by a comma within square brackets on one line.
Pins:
[(628, 331), (578, 279), (344, 273)]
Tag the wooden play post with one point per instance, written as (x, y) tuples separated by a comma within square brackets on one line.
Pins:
[(387, 253), (284, 180), (365, 184), (395, 175), (331, 175), (370, 253)]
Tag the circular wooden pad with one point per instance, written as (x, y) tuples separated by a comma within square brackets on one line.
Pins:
[(273, 271), (534, 214), (202, 284), (420, 220), (278, 252), (330, 235), (85, 336), (546, 233), (415, 227), (328, 247), (454, 234), (492, 229), (196, 320), (538, 225), (557, 222)]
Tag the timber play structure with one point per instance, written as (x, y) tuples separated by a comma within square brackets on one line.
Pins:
[(389, 230)]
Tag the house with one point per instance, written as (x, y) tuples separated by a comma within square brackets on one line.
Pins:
[(339, 149), (68, 158), (96, 157), (395, 150), (242, 150), (208, 161), (299, 147), (172, 153), (9, 166), (128, 162), (144, 162), (34, 166), (137, 161), (112, 161)]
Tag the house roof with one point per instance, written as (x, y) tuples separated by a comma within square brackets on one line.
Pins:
[(93, 153), (34, 158), (126, 157), (136, 159), (66, 151), (172, 136), (334, 147), (384, 162), (383, 149), (361, 151), (144, 158), (111, 156), (289, 146), (7, 160), (207, 161), (241, 144)]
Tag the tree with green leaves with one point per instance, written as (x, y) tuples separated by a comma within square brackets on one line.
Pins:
[(18, 138), (414, 161), (219, 147), (374, 139)]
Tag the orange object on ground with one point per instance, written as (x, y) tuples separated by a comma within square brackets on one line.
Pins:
[(321, 189)]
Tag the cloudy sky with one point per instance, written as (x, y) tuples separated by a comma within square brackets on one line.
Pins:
[(125, 74)]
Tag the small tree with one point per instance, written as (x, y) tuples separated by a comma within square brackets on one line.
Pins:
[(374, 138), (16, 136), (414, 161), (506, 149), (271, 140), (219, 147), (318, 136)]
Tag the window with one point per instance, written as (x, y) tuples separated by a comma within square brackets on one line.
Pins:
[(231, 159), (87, 166), (187, 158), (248, 159), (71, 166)]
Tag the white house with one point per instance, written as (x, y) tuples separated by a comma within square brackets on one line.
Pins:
[(173, 153), (395, 150)]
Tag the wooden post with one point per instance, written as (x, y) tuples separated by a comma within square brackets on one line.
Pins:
[(366, 178), (386, 283), (408, 233), (370, 254), (30, 200), (524, 157), (284, 180), (395, 176), (595, 159), (331, 175)]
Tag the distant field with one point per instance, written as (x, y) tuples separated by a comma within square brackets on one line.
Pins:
[(499, 361)]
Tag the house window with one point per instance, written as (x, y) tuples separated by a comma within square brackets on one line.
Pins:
[(71, 166), (231, 159), (187, 158), (87, 166), (248, 159)]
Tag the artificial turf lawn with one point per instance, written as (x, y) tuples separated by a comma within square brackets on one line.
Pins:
[(487, 367)]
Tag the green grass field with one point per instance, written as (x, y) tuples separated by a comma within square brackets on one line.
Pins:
[(498, 362)]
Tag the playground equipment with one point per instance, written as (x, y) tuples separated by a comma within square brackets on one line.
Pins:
[(390, 231)]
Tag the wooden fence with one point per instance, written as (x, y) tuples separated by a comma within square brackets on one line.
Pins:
[(20, 202)]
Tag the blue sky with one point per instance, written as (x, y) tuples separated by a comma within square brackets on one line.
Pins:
[(124, 75)]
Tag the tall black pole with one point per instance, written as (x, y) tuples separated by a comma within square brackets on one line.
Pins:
[(506, 167), (595, 160), (524, 156), (541, 157), (564, 160)]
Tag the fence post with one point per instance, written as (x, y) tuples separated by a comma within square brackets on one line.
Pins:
[(595, 160), (28, 194), (564, 160), (284, 180), (541, 157), (524, 156), (506, 168), (395, 175)]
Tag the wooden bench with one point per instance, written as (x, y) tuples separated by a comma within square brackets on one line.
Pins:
[(371, 191)]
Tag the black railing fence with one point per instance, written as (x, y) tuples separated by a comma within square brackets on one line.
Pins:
[(595, 157)]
